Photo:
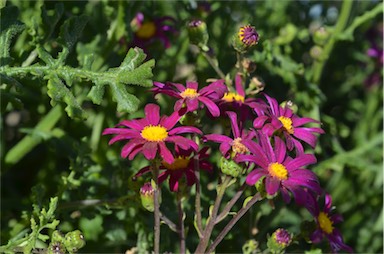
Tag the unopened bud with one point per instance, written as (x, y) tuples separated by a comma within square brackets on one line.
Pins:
[(315, 52), (147, 195), (279, 240), (198, 34), (74, 240), (320, 36), (245, 38), (229, 167)]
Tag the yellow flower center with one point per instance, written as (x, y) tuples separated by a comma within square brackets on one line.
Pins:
[(287, 124), (325, 223), (181, 162), (154, 133), (278, 170), (238, 147), (147, 30), (189, 93), (230, 97)]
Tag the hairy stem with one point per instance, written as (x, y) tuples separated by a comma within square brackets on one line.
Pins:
[(157, 193), (214, 65), (230, 204), (232, 222), (212, 218), (340, 25), (181, 223), (172, 226), (199, 226)]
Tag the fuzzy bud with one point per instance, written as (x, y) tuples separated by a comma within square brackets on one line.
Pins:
[(315, 52), (320, 36), (74, 240), (245, 38), (197, 32), (279, 240), (229, 167), (147, 195)]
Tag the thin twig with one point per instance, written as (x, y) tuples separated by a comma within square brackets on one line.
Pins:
[(232, 222), (155, 171), (197, 196), (181, 223), (214, 65), (212, 218), (230, 204), (172, 226)]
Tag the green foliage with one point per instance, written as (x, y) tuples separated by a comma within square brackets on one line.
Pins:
[(68, 70)]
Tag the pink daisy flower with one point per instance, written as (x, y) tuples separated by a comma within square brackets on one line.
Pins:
[(235, 144), (279, 119), (280, 171), (149, 135), (325, 220), (182, 169), (190, 96)]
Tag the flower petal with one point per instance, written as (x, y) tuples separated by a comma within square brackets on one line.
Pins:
[(152, 113), (272, 185), (234, 125), (184, 129), (165, 154), (255, 175), (150, 150), (170, 121), (300, 161), (211, 106)]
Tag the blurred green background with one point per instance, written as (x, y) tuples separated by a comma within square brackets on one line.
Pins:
[(71, 160)]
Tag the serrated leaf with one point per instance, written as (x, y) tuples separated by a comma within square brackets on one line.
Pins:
[(133, 59), (10, 27), (140, 76), (71, 30), (126, 102), (96, 94), (59, 92), (45, 56), (50, 22)]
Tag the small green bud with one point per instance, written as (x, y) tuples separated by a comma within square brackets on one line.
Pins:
[(245, 39), (198, 34), (321, 36), (260, 187), (315, 52), (57, 236), (250, 247), (279, 241), (74, 241), (147, 195), (229, 167), (56, 248)]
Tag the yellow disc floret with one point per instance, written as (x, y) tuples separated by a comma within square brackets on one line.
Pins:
[(181, 162), (325, 223), (189, 93), (287, 124), (238, 147), (278, 170), (154, 133), (230, 97), (147, 30)]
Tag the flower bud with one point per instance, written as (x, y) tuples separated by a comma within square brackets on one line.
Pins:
[(57, 236), (320, 36), (197, 32), (74, 241), (56, 248), (229, 167), (315, 52), (147, 195), (279, 240), (246, 38)]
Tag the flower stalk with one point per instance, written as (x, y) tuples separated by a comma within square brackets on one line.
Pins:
[(181, 230), (155, 173)]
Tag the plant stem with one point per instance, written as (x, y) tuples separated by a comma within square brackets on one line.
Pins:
[(230, 204), (340, 25), (232, 222), (157, 193), (212, 218), (181, 223), (214, 65), (197, 195), (172, 226)]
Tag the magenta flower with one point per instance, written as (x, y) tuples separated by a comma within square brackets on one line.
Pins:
[(325, 221), (149, 135), (148, 31), (278, 120), (183, 168), (190, 96), (281, 172), (237, 101), (235, 144), (248, 35)]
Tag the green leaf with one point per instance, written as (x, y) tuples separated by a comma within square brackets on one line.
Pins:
[(97, 92), (126, 102), (50, 21), (59, 92), (10, 27)]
